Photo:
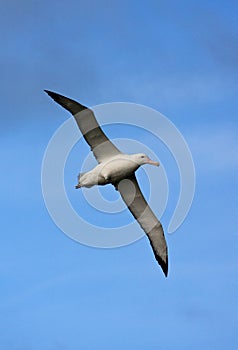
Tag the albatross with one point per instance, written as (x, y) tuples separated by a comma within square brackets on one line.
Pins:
[(118, 169)]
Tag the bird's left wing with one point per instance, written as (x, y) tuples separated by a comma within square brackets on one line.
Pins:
[(101, 146), (136, 203)]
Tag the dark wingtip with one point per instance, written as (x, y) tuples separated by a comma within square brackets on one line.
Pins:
[(53, 95), (165, 270), (72, 106), (162, 259), (164, 265), (48, 91)]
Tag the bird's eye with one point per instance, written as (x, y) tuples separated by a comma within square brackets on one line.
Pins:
[(142, 156)]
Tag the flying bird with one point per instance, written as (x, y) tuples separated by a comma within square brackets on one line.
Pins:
[(118, 169)]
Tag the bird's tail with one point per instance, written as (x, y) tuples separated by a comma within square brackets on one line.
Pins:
[(79, 177)]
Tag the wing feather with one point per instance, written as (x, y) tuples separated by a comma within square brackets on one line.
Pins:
[(99, 143), (136, 203)]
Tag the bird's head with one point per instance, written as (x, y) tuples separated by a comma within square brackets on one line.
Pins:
[(141, 158)]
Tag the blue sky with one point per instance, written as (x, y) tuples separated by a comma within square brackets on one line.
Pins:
[(179, 57)]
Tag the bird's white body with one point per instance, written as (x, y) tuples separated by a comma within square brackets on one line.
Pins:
[(113, 170)]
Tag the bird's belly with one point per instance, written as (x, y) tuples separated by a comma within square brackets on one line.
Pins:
[(117, 170)]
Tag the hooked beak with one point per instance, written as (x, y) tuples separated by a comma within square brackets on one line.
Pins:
[(153, 163)]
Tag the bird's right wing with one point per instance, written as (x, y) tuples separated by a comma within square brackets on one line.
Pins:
[(136, 203), (101, 146)]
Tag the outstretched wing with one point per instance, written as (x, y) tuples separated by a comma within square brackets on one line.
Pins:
[(101, 146), (136, 203)]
